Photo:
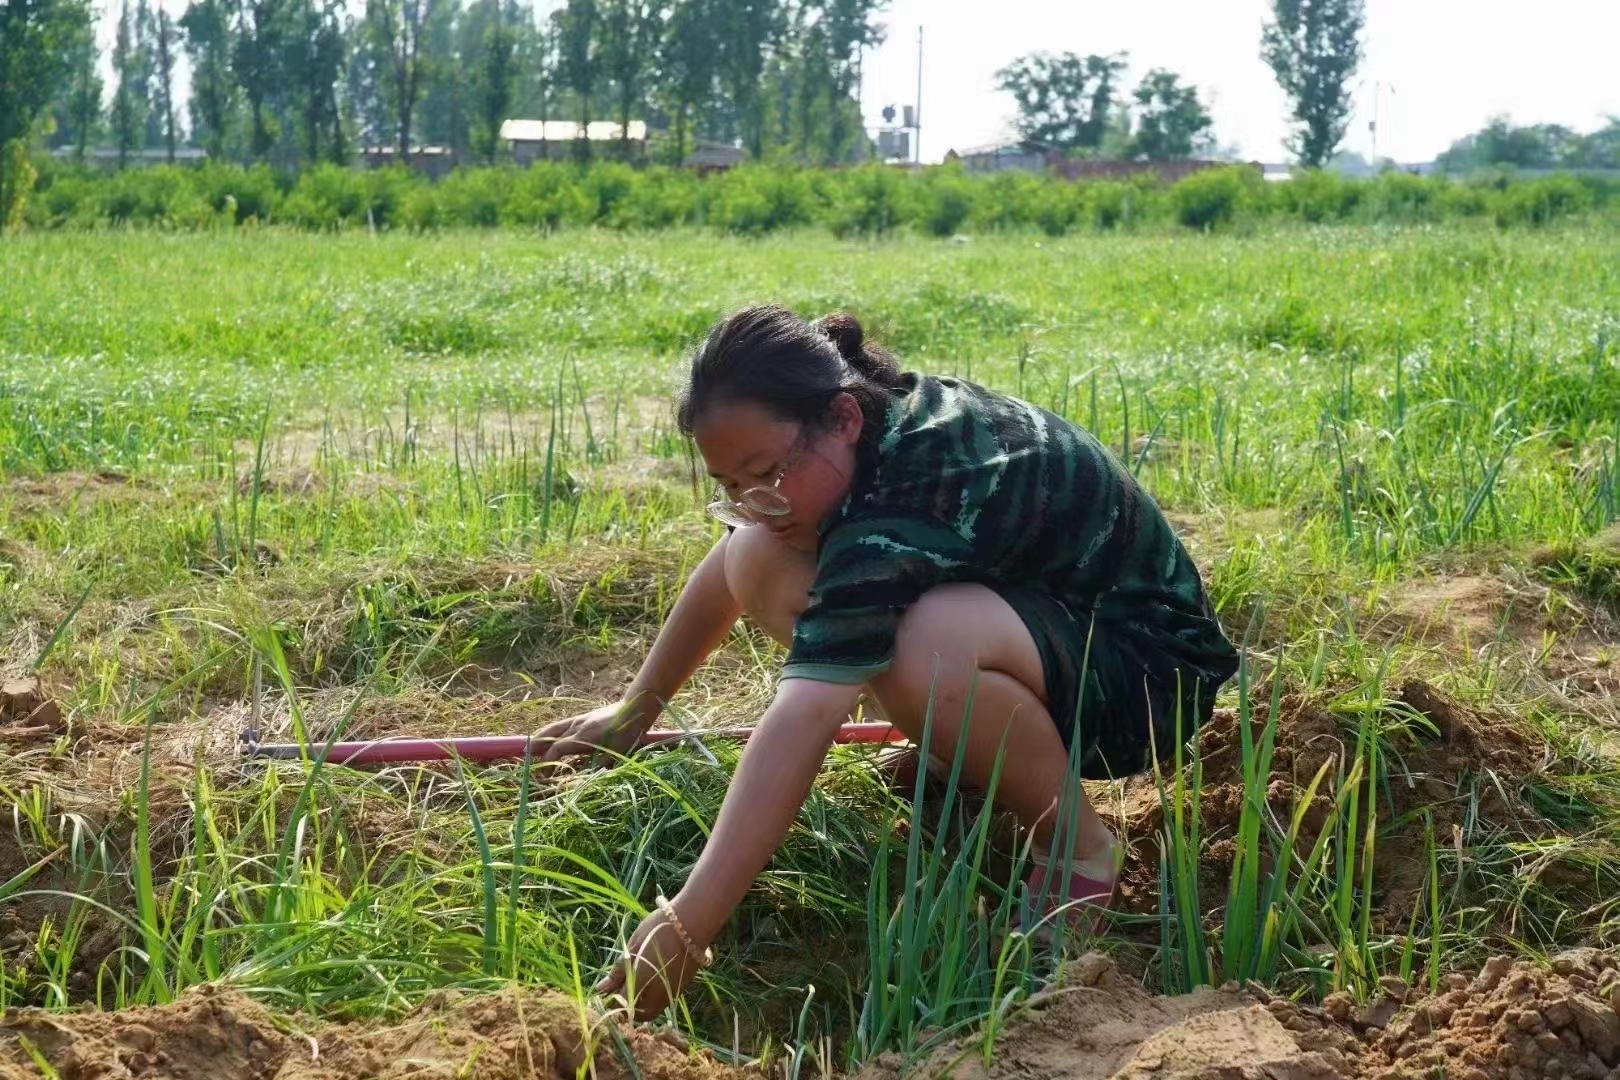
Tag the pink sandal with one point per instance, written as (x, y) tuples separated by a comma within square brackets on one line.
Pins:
[(1065, 904)]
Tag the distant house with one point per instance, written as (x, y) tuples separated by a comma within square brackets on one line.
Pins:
[(707, 157), (533, 140), (1000, 157), (434, 162), (103, 158)]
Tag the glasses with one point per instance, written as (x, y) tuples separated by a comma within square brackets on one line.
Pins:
[(764, 501)]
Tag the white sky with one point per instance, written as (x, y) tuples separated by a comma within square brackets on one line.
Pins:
[(1451, 63)]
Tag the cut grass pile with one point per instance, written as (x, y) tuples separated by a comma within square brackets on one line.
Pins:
[(322, 485)]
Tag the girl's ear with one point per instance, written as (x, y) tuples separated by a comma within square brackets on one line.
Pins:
[(848, 419)]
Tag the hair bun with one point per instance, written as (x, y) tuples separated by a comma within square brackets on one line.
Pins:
[(844, 330)]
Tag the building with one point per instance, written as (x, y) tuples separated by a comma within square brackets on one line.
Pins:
[(706, 156), (999, 157), (552, 140), (1168, 171), (433, 162), (105, 158)]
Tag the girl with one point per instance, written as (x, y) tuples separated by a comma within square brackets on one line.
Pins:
[(912, 537)]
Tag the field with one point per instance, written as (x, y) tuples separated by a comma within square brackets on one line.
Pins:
[(310, 484)]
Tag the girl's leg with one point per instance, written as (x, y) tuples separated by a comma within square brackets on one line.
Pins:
[(947, 636), (958, 628), (769, 579)]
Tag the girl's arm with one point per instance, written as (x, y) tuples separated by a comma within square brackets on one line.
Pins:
[(703, 614), (779, 763)]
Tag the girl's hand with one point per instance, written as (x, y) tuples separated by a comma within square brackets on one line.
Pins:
[(655, 969), (614, 728)]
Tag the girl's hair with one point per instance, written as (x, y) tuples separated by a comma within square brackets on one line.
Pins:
[(791, 368)]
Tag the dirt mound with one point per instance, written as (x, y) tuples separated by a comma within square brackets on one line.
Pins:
[(1459, 766), (27, 713), (1513, 1021), (1105, 1025), (213, 1033)]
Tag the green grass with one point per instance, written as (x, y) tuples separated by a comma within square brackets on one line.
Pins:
[(361, 484)]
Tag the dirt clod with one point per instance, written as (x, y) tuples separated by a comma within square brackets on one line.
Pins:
[(1514, 1021), (1106, 1025), (26, 710), (216, 1033)]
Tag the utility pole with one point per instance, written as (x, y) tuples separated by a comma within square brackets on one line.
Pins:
[(916, 135), (1372, 125)]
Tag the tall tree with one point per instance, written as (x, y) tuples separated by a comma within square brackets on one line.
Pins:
[(1171, 122), (207, 26), (314, 61), (494, 70), (748, 30), (397, 29), (163, 80), (38, 43), (630, 33), (1534, 146), (448, 60), (258, 49), (688, 67), (578, 61), (1314, 46), (1065, 102), (129, 104), (78, 109), (850, 29)]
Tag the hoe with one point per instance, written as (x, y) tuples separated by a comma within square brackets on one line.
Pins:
[(509, 747)]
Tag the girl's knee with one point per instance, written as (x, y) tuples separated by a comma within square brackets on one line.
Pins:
[(934, 650), (949, 634), (768, 579)]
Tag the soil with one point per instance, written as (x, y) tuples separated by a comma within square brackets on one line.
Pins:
[(1512, 1021), (1446, 767), (219, 1033), (1509, 1021), (27, 713), (1105, 1025)]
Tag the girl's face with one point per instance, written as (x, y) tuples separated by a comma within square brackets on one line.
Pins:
[(745, 447)]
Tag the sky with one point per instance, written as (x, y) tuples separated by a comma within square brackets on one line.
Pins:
[(1435, 69)]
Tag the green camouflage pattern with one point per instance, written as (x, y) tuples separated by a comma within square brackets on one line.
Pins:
[(970, 485)]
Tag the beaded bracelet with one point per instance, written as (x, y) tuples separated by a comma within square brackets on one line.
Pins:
[(706, 956)]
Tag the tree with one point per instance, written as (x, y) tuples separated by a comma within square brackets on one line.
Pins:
[(38, 39), (448, 61), (130, 67), (207, 29), (748, 30), (39, 42), (314, 62), (1314, 46), (494, 74), (1065, 102), (689, 66), (577, 61), (811, 80), (1501, 143), (258, 49), (163, 80), (396, 29), (1171, 122), (77, 111), (849, 28), (630, 32)]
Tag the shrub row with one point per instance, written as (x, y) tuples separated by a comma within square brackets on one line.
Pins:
[(754, 200)]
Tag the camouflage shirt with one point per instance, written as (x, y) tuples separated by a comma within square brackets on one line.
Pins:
[(970, 485)]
